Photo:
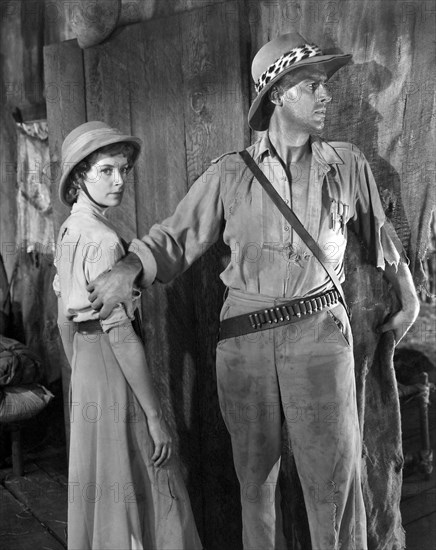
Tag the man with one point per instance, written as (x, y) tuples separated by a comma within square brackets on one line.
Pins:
[(301, 370)]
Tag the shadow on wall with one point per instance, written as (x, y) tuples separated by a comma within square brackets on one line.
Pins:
[(353, 119)]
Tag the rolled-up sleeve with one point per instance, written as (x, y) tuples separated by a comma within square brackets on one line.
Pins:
[(370, 222), (173, 245)]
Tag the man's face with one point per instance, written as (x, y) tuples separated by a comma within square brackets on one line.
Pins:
[(305, 99)]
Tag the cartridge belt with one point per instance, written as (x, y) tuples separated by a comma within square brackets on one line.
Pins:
[(277, 316)]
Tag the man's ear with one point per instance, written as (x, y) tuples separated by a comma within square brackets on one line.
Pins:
[(275, 96)]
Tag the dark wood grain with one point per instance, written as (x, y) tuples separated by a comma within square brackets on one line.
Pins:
[(214, 124), (108, 99), (154, 57), (66, 109)]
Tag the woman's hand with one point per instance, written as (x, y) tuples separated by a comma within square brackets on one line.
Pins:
[(162, 439)]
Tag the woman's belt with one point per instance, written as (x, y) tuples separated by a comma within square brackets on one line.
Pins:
[(277, 316), (92, 326)]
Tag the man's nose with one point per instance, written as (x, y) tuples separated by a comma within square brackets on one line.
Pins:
[(324, 94)]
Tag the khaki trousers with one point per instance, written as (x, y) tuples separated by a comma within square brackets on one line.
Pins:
[(302, 374)]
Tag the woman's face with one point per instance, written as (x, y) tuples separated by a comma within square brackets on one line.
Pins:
[(106, 179)]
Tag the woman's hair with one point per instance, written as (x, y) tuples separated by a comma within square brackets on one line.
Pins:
[(78, 173)]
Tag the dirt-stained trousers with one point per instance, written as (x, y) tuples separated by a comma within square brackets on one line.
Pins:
[(304, 373)]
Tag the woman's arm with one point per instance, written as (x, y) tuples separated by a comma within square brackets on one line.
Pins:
[(130, 355)]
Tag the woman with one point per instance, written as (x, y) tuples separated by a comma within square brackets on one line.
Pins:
[(125, 489)]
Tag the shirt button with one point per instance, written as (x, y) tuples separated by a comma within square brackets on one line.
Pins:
[(286, 228)]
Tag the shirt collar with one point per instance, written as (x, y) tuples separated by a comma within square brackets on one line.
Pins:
[(323, 152), (83, 203)]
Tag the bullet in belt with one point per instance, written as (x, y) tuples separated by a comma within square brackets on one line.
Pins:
[(296, 309)]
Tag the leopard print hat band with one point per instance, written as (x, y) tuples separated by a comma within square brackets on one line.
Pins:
[(286, 60)]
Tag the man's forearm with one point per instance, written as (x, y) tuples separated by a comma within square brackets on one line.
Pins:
[(133, 262), (138, 250), (402, 283)]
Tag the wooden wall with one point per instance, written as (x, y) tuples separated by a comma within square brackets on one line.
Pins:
[(165, 81)]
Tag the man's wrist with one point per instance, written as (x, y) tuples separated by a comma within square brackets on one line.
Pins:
[(134, 263), (147, 275)]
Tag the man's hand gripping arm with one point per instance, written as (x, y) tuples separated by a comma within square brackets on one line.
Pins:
[(115, 286)]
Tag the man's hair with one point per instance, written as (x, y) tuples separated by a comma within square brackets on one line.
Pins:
[(78, 173)]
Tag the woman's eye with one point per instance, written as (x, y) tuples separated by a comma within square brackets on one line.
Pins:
[(125, 170), (107, 171)]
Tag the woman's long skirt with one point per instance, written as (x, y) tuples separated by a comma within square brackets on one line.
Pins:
[(117, 499)]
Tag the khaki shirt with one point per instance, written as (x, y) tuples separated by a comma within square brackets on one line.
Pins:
[(87, 246), (266, 256)]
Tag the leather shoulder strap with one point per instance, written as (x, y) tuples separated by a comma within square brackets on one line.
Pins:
[(291, 217)]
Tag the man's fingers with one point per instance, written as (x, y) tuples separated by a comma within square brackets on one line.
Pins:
[(90, 286), (106, 310), (92, 295), (157, 452), (96, 303), (165, 454), (130, 310)]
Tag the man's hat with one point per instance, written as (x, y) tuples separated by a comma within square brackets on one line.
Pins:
[(84, 140), (285, 53)]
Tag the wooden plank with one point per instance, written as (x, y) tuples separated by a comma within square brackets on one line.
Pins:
[(65, 98), (19, 530), (157, 118), (108, 85), (214, 123), (38, 492)]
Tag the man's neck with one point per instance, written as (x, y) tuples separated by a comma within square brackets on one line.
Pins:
[(291, 146)]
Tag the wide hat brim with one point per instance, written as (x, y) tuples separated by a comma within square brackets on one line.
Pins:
[(83, 141), (258, 119)]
